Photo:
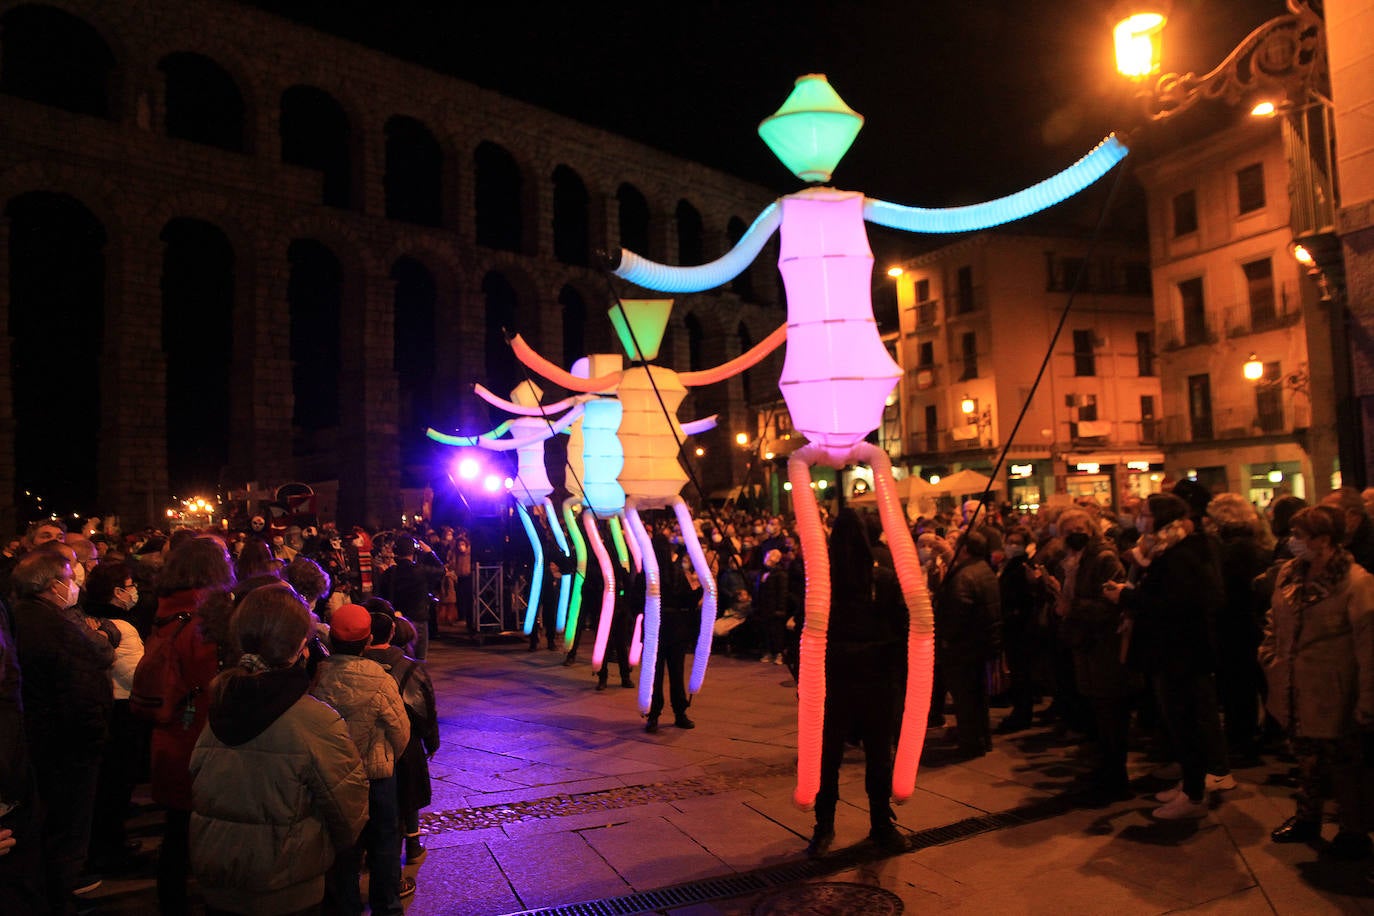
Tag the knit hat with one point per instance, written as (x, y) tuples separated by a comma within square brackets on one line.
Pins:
[(350, 623)]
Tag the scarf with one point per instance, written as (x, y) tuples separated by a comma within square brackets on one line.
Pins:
[(1153, 546), (1300, 590)]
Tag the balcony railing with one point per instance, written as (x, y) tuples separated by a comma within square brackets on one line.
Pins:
[(927, 313), (1245, 319), (1238, 423), (1174, 335)]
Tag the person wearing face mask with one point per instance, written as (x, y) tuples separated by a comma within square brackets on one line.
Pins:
[(1020, 601), (1170, 627), (1090, 625), (112, 595), (279, 787), (1318, 656), (968, 632), (67, 699)]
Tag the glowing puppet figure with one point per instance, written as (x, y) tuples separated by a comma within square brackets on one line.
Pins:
[(533, 426), (837, 374), (652, 477)]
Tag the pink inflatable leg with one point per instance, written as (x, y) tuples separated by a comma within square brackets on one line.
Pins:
[(653, 587), (920, 651), (603, 559), (811, 680)]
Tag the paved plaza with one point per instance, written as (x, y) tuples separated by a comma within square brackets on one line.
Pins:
[(550, 797)]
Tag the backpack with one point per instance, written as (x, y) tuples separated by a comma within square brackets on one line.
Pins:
[(158, 692)]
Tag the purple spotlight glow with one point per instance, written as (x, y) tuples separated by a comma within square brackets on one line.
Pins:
[(469, 468), (491, 483)]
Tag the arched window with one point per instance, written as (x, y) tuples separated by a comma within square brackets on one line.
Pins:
[(315, 133), (203, 102), (570, 243), (634, 219), (314, 296), (696, 342), (689, 245), (499, 195), (57, 316), (414, 358), (743, 284), (574, 325), (48, 55), (502, 315), (746, 342), (197, 342), (414, 173)]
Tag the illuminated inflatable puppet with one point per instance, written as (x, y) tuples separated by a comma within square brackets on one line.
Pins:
[(837, 374), (651, 475), (533, 426)]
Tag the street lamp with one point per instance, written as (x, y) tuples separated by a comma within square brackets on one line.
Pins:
[(968, 406), (1282, 55), (1296, 381)]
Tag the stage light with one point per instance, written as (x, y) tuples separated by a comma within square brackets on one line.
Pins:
[(469, 468), (491, 483)]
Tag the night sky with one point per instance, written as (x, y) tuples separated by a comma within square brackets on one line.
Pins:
[(964, 100)]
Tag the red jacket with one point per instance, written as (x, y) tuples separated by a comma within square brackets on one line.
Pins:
[(199, 661)]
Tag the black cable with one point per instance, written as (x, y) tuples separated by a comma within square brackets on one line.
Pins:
[(1049, 353)]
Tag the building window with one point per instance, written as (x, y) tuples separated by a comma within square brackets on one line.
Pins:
[(1185, 213), (202, 102), (1145, 354), (1269, 400), (923, 290), (1149, 424), (1259, 286), (1200, 405), (1250, 188), (1084, 358), (926, 354), (1194, 312), (414, 178), (969, 347), (964, 292)]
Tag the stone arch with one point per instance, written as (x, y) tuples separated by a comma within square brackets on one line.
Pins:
[(499, 198), (53, 57), (634, 219), (414, 177), (575, 313), (696, 342), (315, 303), (691, 248), (415, 295), (505, 310), (316, 133), (57, 290), (571, 217), (202, 102), (743, 284), (746, 340), (199, 290)]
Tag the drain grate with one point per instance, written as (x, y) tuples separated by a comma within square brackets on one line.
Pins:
[(779, 876)]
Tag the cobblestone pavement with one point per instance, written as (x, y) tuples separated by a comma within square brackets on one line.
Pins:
[(550, 797)]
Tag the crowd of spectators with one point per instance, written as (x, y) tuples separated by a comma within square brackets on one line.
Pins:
[(1186, 624)]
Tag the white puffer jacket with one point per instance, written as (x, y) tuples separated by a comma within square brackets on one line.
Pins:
[(367, 698)]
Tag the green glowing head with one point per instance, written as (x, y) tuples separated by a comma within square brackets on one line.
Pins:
[(812, 130)]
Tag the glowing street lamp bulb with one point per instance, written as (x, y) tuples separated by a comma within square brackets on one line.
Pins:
[(934, 479), (491, 483), (768, 456), (895, 272), (1138, 43), (822, 484), (1265, 109), (1275, 475), (700, 451), (468, 468), (968, 405), (787, 486), (741, 438), (1303, 256), (1253, 369)]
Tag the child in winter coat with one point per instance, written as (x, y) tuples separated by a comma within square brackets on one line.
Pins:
[(369, 702)]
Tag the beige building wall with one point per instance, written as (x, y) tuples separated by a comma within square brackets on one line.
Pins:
[(1204, 345), (1013, 290)]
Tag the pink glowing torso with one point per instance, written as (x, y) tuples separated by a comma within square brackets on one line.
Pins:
[(837, 374)]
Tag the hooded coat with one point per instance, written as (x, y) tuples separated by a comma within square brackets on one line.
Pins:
[(277, 787)]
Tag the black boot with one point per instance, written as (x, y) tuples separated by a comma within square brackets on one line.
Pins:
[(820, 841), (1297, 830)]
